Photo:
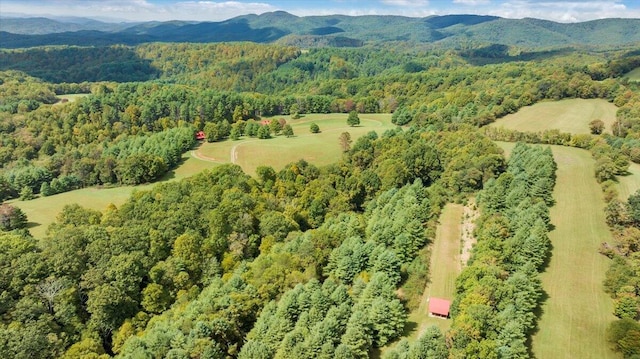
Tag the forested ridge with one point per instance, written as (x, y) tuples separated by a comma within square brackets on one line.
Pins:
[(322, 31), (300, 261)]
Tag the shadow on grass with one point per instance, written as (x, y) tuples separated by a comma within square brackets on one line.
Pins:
[(33, 225), (544, 296), (409, 328), (538, 312)]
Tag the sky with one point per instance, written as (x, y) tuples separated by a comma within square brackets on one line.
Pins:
[(164, 10)]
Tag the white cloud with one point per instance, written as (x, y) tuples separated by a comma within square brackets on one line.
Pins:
[(140, 10), (217, 10), (406, 3), (472, 2), (565, 11)]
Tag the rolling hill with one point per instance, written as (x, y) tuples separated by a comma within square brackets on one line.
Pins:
[(333, 30)]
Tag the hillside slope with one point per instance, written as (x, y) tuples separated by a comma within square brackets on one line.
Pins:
[(448, 30)]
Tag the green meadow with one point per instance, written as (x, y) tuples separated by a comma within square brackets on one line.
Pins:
[(318, 148), (572, 116), (633, 75)]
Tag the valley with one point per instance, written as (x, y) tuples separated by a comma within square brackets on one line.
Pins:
[(283, 186)]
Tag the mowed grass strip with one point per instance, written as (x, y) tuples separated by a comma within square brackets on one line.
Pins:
[(42, 211), (571, 115), (445, 257), (577, 311), (444, 268)]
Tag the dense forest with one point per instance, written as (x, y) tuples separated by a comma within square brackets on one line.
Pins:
[(300, 261)]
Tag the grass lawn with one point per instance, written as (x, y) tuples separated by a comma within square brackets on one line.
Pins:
[(320, 148), (633, 75), (572, 115), (444, 268), (577, 311), (41, 212), (72, 97), (629, 184)]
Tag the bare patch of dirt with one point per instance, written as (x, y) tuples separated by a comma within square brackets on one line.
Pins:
[(469, 217)]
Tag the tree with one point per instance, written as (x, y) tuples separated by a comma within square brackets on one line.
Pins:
[(49, 289), (26, 193), (314, 128), (625, 336), (345, 141), (596, 127), (431, 345), (235, 132), (287, 130), (264, 132), (275, 127), (401, 116), (11, 218), (353, 119)]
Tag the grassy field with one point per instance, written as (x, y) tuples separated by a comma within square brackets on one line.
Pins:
[(633, 75), (41, 212), (577, 310), (629, 184), (571, 116), (444, 268), (71, 97), (320, 149)]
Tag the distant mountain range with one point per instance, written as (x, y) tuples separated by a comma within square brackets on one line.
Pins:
[(313, 31)]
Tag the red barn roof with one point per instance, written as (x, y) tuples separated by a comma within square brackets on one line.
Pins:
[(438, 306)]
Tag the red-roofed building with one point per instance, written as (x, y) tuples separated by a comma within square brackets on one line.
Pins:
[(439, 307), (200, 135)]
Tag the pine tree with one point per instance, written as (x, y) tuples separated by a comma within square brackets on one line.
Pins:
[(353, 119)]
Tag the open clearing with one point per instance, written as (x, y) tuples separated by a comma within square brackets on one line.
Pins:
[(444, 267), (572, 116), (633, 75), (42, 211), (319, 148), (72, 97), (577, 311)]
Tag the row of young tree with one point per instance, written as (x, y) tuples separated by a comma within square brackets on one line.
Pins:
[(356, 308), (499, 290)]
